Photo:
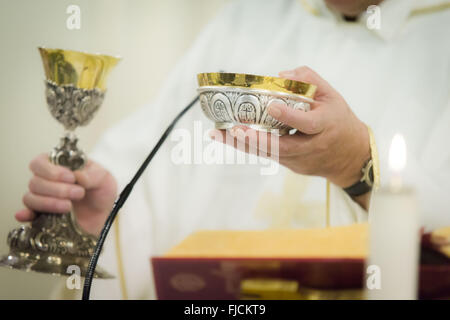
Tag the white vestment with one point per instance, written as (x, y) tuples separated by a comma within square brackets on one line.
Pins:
[(396, 79)]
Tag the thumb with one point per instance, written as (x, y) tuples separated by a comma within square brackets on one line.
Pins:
[(306, 74)]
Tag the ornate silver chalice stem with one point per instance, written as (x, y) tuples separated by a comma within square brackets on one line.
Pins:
[(75, 88)]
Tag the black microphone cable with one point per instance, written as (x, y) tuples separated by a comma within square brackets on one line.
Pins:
[(121, 200)]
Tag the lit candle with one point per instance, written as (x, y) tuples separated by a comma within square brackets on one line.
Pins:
[(394, 233), (397, 162)]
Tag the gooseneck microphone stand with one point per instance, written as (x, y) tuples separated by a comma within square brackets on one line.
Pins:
[(121, 200)]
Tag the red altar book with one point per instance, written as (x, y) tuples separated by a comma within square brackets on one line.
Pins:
[(329, 264)]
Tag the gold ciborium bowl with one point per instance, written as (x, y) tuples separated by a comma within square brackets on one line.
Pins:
[(230, 99)]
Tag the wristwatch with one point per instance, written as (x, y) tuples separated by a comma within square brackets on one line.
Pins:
[(365, 184)]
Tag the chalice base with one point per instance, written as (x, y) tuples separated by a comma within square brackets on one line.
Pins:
[(51, 264), (53, 244)]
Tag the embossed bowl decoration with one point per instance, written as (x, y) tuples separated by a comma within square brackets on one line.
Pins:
[(230, 99)]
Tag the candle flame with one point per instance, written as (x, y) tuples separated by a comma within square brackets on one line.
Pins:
[(397, 153)]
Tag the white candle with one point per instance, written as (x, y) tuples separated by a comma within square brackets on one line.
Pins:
[(395, 232)]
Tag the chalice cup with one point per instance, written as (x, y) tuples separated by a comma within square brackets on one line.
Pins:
[(75, 88)]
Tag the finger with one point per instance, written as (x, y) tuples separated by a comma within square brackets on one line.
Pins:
[(298, 144), (25, 215), (225, 137), (42, 187), (271, 145), (260, 143), (46, 204), (306, 74), (247, 139), (217, 135), (309, 122), (91, 176), (42, 167)]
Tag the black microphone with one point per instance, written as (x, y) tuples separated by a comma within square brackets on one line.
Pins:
[(121, 200)]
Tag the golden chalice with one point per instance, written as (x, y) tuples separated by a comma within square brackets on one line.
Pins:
[(75, 88)]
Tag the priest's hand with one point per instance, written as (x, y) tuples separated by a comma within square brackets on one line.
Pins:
[(330, 142), (89, 193)]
